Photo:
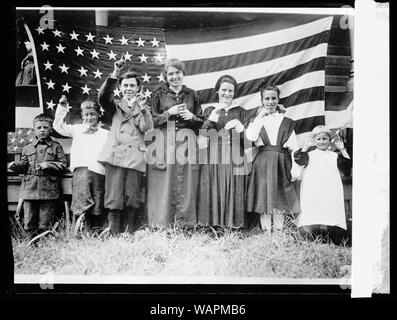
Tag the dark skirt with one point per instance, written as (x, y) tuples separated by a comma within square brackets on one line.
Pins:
[(269, 184), (88, 189), (172, 193), (221, 196)]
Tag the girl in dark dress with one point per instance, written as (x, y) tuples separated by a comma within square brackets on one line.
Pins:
[(222, 184), (273, 170)]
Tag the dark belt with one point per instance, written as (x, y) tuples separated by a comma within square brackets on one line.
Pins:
[(273, 148)]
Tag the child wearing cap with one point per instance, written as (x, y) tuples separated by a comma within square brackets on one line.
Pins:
[(88, 182), (42, 161)]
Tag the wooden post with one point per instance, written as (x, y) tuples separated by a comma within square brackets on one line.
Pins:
[(101, 17)]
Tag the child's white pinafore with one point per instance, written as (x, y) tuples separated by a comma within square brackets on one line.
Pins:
[(322, 200)]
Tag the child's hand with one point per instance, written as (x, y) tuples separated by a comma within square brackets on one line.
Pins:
[(12, 165), (63, 101), (141, 99), (338, 143), (118, 66), (43, 165), (308, 143)]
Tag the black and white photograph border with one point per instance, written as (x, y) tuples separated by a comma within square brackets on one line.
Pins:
[(367, 268)]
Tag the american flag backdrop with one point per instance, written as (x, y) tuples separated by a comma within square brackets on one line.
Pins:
[(288, 51), (76, 61), (293, 58)]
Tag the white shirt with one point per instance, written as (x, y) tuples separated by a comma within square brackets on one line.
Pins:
[(85, 146), (272, 123)]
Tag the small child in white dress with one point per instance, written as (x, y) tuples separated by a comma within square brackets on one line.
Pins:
[(321, 196)]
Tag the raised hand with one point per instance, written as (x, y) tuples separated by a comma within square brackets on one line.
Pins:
[(141, 98), (338, 143), (309, 142), (63, 101)]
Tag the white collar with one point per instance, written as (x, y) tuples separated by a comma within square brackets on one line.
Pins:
[(130, 102)]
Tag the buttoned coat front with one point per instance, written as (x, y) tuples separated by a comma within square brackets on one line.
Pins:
[(125, 146), (41, 184)]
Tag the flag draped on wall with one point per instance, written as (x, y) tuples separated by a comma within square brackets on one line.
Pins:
[(292, 58), (75, 61)]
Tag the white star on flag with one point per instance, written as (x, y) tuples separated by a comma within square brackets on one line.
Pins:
[(86, 89), (90, 37), (155, 43), (94, 54), (63, 68), (22, 140), (39, 30), (66, 87), (74, 36), (12, 140), (68, 106), (98, 74), (143, 58), (15, 148), (146, 78), (160, 77), (158, 58), (50, 105), (30, 131), (112, 55), (44, 46), (79, 51), (116, 92), (31, 139), (127, 56), (140, 42), (82, 71), (124, 41), (50, 84), (19, 131), (48, 65), (57, 33), (147, 93), (60, 48), (108, 39)]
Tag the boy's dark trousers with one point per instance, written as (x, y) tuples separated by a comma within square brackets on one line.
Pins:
[(38, 214)]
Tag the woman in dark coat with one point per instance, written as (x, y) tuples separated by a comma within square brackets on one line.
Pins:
[(172, 185)]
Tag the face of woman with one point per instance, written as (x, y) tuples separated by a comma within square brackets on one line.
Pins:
[(174, 77), (270, 100), (226, 93), (321, 141)]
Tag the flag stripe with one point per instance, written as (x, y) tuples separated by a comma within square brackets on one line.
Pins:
[(306, 110), (249, 87), (257, 70), (304, 95), (206, 50), (252, 57), (307, 124), (306, 81)]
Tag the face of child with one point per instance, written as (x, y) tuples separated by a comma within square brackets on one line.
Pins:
[(270, 100), (129, 88), (174, 77), (226, 93), (90, 117), (321, 141), (42, 129)]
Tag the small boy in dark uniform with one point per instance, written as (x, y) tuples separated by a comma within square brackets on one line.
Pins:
[(42, 161)]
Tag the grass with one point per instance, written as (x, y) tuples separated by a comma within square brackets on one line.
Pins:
[(177, 252)]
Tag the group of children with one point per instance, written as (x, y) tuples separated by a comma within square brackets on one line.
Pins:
[(108, 167)]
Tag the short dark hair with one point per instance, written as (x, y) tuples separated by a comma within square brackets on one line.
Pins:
[(43, 117), (176, 63), (128, 75), (228, 79), (268, 87)]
